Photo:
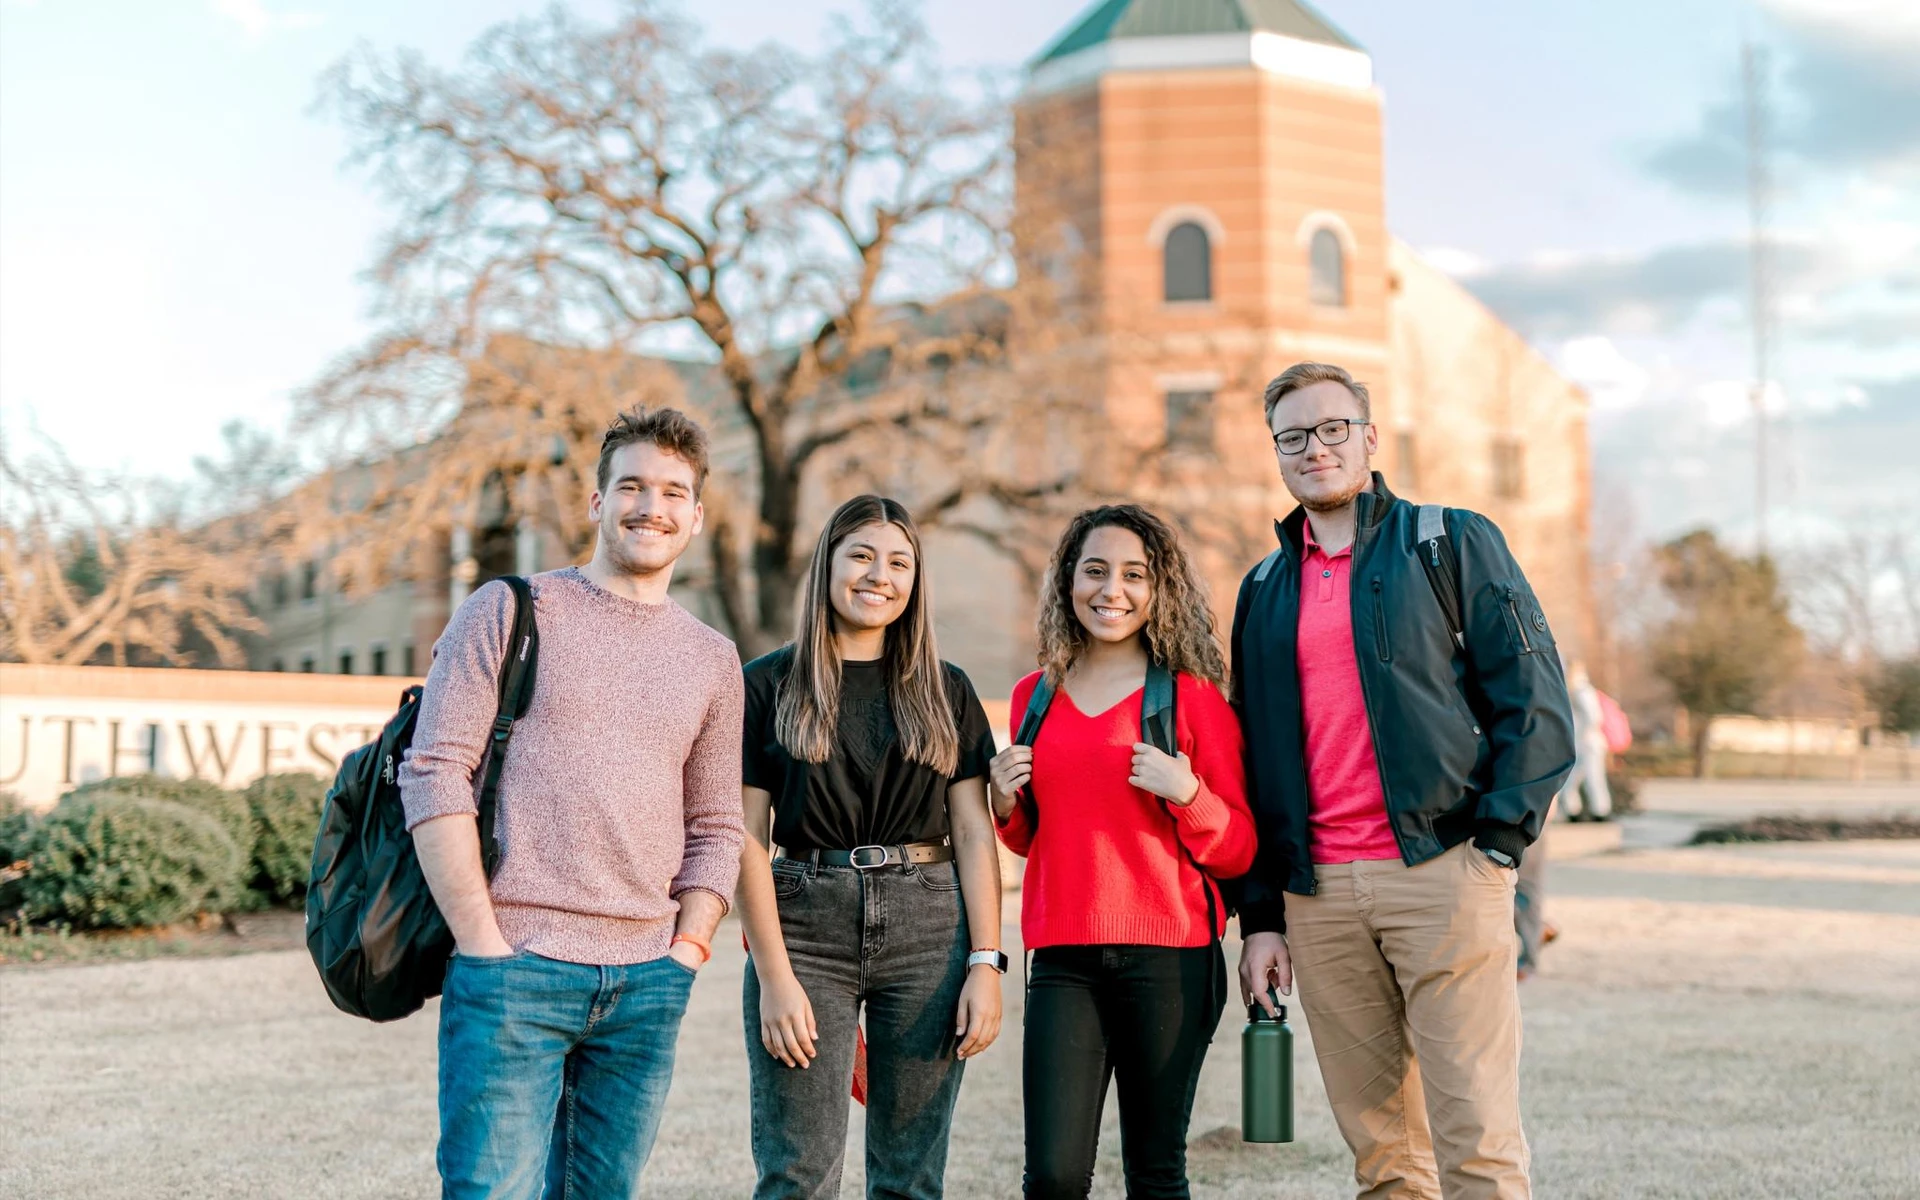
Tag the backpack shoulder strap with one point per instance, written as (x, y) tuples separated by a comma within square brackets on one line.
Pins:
[(1038, 702), (1441, 559), (1036, 713), (1157, 727), (516, 694), (1265, 568)]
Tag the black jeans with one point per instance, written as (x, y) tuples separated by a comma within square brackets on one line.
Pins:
[(1141, 1015), (893, 940)]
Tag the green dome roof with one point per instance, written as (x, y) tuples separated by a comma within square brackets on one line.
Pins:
[(1113, 19)]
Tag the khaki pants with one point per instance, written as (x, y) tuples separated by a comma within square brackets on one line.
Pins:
[(1407, 978)]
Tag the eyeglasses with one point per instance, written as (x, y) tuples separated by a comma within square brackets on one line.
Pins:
[(1330, 433)]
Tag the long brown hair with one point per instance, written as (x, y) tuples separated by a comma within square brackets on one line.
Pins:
[(808, 707), (1179, 632)]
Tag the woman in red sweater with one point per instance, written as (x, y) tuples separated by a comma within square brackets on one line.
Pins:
[(1123, 845)]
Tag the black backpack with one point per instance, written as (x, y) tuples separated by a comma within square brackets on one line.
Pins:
[(373, 928), (1157, 729)]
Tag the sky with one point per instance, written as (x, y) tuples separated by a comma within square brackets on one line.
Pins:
[(181, 243)]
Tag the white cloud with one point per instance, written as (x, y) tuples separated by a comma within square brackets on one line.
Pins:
[(1819, 401), (1726, 403), (256, 22), (1614, 381), (1461, 264), (1875, 21)]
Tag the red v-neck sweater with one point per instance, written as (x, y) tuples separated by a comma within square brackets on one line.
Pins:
[(1104, 867)]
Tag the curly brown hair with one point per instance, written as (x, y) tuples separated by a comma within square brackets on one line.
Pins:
[(1179, 633)]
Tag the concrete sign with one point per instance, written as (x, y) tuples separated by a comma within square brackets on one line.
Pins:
[(62, 726)]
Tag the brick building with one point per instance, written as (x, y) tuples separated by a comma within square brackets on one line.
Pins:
[(1208, 177)]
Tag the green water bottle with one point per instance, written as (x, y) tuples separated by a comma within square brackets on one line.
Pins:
[(1266, 1075)]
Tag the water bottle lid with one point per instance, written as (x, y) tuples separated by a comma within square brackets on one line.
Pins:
[(1259, 1015)]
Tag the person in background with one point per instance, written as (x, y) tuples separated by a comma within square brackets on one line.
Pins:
[(619, 827), (865, 763), (1124, 845), (1398, 774), (1586, 795), (1530, 922)]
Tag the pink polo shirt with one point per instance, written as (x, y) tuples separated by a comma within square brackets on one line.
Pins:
[(1346, 809)]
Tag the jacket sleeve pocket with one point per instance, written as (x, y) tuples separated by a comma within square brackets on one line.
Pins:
[(1522, 617)]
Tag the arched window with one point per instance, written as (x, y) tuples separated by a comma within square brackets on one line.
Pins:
[(1187, 263), (1327, 264)]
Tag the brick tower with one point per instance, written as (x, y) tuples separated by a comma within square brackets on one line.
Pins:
[(1211, 172), (1217, 165)]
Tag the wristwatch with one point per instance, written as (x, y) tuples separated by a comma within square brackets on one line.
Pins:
[(997, 959), (1499, 857)]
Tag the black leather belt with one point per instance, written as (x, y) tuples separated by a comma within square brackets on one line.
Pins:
[(871, 858)]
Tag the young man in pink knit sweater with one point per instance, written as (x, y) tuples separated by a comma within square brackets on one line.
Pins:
[(620, 833)]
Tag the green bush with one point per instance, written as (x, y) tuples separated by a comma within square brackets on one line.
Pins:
[(229, 808), (16, 831), (117, 861), (16, 823), (286, 815)]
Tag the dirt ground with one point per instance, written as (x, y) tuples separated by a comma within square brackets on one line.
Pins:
[(1731, 1021)]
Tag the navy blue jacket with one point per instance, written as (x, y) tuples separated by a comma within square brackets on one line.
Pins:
[(1472, 742)]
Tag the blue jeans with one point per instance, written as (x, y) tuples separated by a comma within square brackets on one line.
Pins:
[(553, 1075)]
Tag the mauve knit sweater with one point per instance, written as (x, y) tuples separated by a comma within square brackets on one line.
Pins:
[(622, 783)]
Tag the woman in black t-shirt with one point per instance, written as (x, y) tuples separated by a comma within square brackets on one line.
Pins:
[(866, 766)]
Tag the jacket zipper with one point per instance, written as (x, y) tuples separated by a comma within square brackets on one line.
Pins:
[(1362, 541), (1306, 789), (1380, 624), (1519, 626), (1283, 588)]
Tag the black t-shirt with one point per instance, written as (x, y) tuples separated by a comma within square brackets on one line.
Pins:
[(867, 793)]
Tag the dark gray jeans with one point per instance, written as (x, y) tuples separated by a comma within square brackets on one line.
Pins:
[(1530, 897), (894, 940)]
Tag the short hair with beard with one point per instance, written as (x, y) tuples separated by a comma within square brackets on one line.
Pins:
[(1179, 633), (1301, 375), (671, 430)]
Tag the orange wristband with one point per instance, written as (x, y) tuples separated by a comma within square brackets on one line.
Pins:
[(706, 951)]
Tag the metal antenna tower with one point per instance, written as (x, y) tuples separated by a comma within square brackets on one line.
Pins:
[(1753, 78)]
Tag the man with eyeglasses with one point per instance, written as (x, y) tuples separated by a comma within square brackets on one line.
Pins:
[(1407, 726)]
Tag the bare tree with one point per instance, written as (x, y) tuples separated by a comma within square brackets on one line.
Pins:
[(112, 570), (1729, 641), (620, 192), (1903, 564)]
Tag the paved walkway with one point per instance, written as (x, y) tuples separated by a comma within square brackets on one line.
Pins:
[(1715, 1022)]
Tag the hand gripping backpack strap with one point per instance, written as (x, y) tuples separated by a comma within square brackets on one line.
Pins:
[(1441, 558), (516, 693)]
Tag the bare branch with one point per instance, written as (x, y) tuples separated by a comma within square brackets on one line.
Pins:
[(92, 568)]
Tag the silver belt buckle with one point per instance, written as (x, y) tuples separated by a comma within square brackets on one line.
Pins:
[(855, 860)]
